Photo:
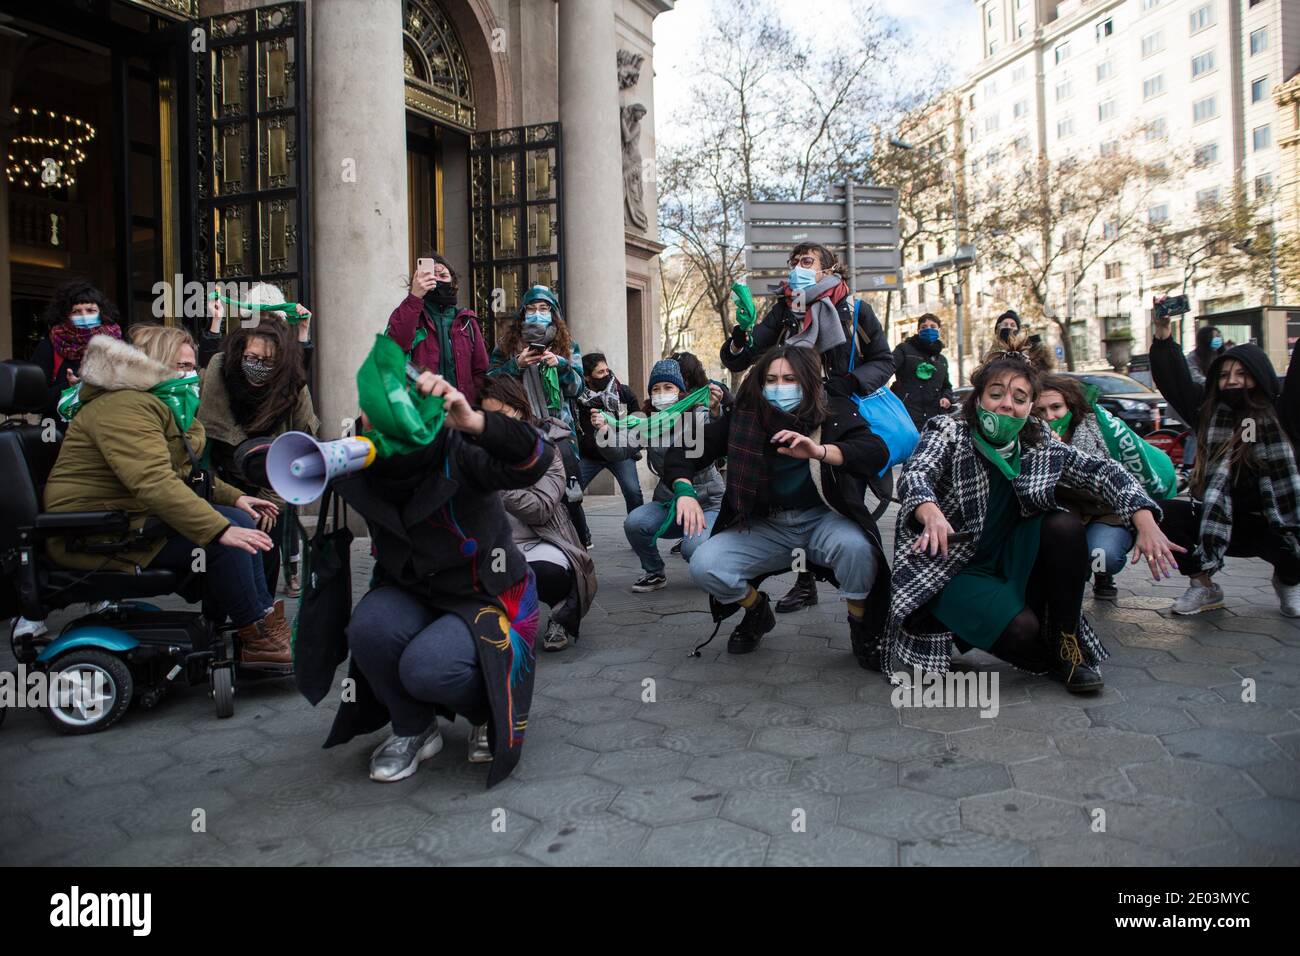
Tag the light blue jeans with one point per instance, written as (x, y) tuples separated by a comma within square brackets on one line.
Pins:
[(724, 564), (642, 523), (1115, 541)]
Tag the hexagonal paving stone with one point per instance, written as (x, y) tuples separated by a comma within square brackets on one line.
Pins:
[(953, 775), (905, 815), (844, 773), (667, 802), (1071, 778), (467, 836), (640, 765), (1002, 744), (617, 735), (360, 828), (788, 808), (603, 839), (740, 768), (682, 712), (1101, 850), (1022, 816), (799, 742), (767, 713), (1153, 820), (1192, 780), (896, 743), (1279, 779), (594, 711), (576, 796), (837, 846), (853, 716), (544, 759), (943, 719), (1117, 747), (704, 843), (706, 738), (963, 848), (1044, 717), (1232, 747), (1140, 717), (1269, 821)]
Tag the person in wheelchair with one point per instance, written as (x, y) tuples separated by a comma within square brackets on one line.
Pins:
[(798, 460), (133, 445)]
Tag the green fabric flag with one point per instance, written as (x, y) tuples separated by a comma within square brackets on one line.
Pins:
[(1010, 468), (181, 395), (746, 311), (1153, 469), (655, 423), (290, 309), (401, 419)]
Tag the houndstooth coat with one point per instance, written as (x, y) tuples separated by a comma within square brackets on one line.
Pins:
[(944, 469)]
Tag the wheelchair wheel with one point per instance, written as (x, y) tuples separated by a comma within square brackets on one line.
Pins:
[(93, 690), (223, 689)]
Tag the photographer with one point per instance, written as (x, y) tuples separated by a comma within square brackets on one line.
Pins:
[(436, 335), (605, 393)]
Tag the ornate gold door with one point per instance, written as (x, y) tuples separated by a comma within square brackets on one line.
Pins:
[(516, 226), (251, 150)]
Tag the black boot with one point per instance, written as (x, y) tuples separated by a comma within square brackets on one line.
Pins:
[(1068, 667), (758, 620), (1103, 587), (803, 594), (866, 647)]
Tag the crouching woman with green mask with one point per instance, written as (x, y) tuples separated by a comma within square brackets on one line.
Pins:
[(984, 555)]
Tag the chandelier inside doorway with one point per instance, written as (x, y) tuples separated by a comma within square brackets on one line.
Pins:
[(46, 148)]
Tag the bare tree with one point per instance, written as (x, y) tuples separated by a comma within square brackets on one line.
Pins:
[(1230, 238), (683, 293)]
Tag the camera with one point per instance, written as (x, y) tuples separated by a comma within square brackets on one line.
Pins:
[(601, 401), (1170, 305)]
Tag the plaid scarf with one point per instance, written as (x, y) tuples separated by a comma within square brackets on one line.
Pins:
[(818, 324), (1279, 486), (70, 342), (749, 456)]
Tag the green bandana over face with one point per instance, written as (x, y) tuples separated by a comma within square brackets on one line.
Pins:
[(925, 371), (181, 395), (999, 430), (401, 419), (1061, 424)]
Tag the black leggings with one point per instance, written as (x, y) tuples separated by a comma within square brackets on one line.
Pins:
[(1055, 586), (1252, 537), (554, 582)]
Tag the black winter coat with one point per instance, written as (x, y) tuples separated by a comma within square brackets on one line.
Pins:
[(872, 369), (921, 396)]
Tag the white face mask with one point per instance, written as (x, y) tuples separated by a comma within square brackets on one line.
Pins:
[(662, 400)]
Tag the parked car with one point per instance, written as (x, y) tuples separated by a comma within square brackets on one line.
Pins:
[(1142, 408)]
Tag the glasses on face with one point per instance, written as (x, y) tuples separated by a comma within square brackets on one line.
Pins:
[(185, 367), (806, 262), (537, 308), (259, 360)]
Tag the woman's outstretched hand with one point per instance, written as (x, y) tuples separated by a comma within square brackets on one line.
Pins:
[(690, 516), (934, 532), (1154, 546)]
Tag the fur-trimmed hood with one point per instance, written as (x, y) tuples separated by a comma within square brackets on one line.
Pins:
[(113, 365)]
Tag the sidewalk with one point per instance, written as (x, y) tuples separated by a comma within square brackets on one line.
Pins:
[(790, 755)]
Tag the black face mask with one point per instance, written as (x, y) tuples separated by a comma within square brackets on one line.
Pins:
[(442, 295), (1235, 398), (601, 383), (1005, 334)]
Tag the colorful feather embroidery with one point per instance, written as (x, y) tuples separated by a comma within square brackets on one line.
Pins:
[(516, 623)]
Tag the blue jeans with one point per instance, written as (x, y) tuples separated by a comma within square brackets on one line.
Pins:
[(641, 525), (624, 473), (1113, 541), (416, 657), (724, 564), (235, 580)]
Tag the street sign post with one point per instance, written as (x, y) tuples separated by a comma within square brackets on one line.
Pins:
[(858, 223)]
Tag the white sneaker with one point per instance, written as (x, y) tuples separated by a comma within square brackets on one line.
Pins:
[(26, 628), (1198, 598), (479, 749), (399, 757), (1289, 595)]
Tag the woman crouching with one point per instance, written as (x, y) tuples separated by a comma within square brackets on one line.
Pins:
[(797, 465), (448, 625), (984, 555)]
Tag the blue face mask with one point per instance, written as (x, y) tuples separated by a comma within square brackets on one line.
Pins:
[(929, 335), (801, 278), (1216, 343), (537, 318), (86, 321), (784, 397)]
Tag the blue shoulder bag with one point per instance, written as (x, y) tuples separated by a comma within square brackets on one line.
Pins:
[(884, 411)]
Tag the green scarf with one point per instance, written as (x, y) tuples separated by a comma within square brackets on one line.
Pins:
[(1008, 463), (290, 309), (746, 310), (1062, 424), (181, 395), (655, 423), (441, 319), (401, 419)]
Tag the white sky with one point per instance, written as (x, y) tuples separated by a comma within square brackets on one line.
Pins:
[(950, 28)]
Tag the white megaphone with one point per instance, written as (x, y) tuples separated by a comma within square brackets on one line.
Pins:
[(299, 467)]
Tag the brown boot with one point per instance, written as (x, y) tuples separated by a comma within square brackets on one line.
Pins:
[(267, 641)]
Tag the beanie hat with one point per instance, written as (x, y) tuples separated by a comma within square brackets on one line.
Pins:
[(264, 294), (1012, 315), (666, 370)]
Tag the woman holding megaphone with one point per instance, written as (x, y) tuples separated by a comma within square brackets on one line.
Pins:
[(448, 625)]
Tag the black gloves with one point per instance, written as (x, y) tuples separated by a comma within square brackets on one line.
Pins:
[(739, 337)]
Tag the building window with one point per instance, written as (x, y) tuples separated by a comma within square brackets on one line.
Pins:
[(1153, 86), (1020, 110), (1200, 18), (1108, 148), (1149, 5), (989, 15), (1021, 29), (1156, 129), (1160, 259), (1259, 41), (1261, 137), (1062, 52), (970, 137), (970, 102), (1202, 63), (1159, 213), (1114, 270), (1258, 89), (990, 123), (1064, 127), (1018, 75), (1263, 185), (993, 47), (1207, 197), (1105, 29), (1063, 90), (1105, 111), (1110, 229), (1206, 154), (1205, 109), (1105, 70), (1153, 43)]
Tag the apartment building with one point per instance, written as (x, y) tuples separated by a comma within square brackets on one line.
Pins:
[(1170, 80)]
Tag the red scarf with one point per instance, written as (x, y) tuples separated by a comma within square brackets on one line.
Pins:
[(70, 342)]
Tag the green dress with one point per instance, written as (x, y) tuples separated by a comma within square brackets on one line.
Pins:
[(980, 601)]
